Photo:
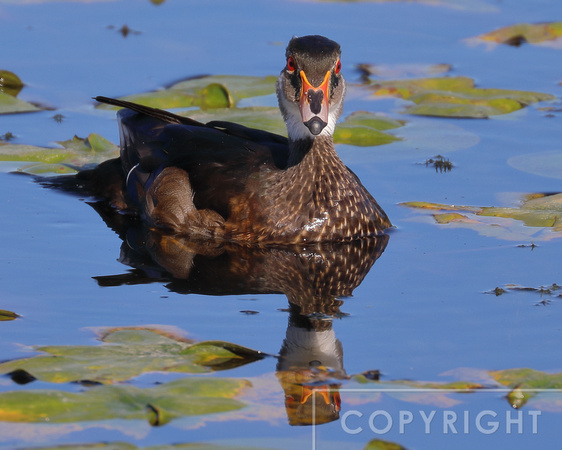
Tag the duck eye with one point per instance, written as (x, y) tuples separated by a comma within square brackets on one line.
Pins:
[(291, 65), (338, 67)]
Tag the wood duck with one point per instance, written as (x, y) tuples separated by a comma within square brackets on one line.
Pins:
[(226, 182)]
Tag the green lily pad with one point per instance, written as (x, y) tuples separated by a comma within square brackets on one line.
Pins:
[(220, 91), (536, 211), (524, 382), (455, 97), (362, 129), (238, 86), (539, 33), (381, 444), (158, 405), (10, 83), (260, 117), (10, 105), (73, 154), (128, 353), (7, 315), (528, 378), (365, 129)]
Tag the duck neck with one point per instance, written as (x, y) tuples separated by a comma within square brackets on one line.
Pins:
[(309, 151)]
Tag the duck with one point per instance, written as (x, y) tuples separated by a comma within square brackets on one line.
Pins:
[(225, 182)]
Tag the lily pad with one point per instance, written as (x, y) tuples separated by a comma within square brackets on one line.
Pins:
[(524, 382), (158, 405), (260, 117), (540, 33), (128, 353), (528, 378), (455, 97), (363, 129), (220, 91), (536, 211), (10, 83), (7, 315), (381, 444), (75, 152), (10, 105)]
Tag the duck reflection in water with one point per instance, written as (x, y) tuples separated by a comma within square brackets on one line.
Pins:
[(315, 278)]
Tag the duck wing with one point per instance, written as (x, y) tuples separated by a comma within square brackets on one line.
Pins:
[(219, 157)]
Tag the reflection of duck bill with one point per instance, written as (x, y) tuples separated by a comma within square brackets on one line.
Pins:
[(310, 405), (330, 395)]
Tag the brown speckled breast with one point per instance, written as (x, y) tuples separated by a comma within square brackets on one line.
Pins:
[(318, 199)]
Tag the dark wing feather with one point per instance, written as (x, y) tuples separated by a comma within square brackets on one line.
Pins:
[(219, 157)]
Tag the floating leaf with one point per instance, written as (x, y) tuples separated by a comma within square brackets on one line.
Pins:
[(10, 83), (524, 382), (74, 152), (455, 97), (260, 117), (7, 315), (220, 91), (365, 129), (528, 378), (238, 86), (10, 105), (158, 405), (360, 128), (536, 211), (380, 444), (518, 34), (93, 144), (128, 353)]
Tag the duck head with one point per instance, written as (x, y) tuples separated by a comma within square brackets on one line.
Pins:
[(310, 87)]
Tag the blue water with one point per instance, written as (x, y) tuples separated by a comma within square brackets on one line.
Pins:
[(421, 312)]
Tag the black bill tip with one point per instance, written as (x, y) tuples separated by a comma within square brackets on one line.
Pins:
[(315, 125)]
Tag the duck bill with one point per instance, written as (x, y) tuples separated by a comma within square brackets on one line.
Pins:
[(313, 104)]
